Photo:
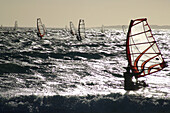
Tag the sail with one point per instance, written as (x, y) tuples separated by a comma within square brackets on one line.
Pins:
[(102, 29), (124, 29), (66, 29), (40, 28), (45, 30), (16, 26), (72, 29), (142, 50), (81, 29)]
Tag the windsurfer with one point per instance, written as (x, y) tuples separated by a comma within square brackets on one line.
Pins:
[(143, 54), (71, 32), (38, 34), (129, 84), (78, 38)]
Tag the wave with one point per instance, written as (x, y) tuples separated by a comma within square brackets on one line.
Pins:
[(112, 103), (13, 68)]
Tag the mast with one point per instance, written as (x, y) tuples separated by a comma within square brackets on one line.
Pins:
[(127, 44)]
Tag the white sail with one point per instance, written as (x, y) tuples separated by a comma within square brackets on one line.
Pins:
[(72, 29), (142, 50), (102, 29)]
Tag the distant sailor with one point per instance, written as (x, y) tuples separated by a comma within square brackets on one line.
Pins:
[(40, 28), (38, 34), (81, 30), (78, 38)]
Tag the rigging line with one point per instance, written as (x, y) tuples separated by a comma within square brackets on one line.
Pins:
[(146, 53), (150, 61), (139, 33), (152, 67), (134, 42), (144, 63), (132, 55), (135, 47), (153, 39), (142, 43), (131, 50), (141, 20), (146, 67), (146, 35), (137, 59)]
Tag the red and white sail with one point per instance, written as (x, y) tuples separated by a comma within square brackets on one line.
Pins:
[(40, 28), (142, 50)]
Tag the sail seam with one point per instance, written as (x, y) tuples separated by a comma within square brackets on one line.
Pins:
[(139, 33), (142, 43)]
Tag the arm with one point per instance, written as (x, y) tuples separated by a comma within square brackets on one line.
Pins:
[(136, 74)]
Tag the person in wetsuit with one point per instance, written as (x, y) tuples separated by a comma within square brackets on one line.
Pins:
[(38, 34), (129, 84), (78, 38)]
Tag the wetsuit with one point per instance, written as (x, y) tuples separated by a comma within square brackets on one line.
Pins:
[(38, 34), (128, 83), (79, 38)]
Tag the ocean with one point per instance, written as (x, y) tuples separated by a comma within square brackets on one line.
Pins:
[(58, 74)]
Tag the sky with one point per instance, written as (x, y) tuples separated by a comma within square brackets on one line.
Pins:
[(58, 13)]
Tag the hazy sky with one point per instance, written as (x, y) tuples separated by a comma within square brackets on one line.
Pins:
[(58, 13)]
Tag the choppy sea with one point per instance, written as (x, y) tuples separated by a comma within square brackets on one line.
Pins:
[(58, 74)]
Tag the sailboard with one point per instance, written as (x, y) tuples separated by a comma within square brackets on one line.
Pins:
[(81, 30), (72, 29), (142, 50), (40, 28)]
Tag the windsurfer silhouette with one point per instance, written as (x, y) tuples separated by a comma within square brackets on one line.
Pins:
[(78, 38), (129, 84), (71, 32), (141, 51), (38, 34)]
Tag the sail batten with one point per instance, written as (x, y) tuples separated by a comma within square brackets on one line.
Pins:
[(139, 33), (142, 43), (142, 50)]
